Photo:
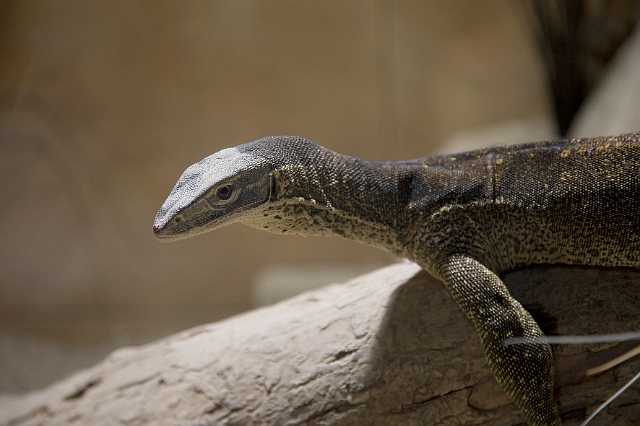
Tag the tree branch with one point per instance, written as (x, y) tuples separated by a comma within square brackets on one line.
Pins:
[(388, 348)]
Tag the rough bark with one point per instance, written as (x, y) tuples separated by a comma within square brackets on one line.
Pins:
[(387, 348)]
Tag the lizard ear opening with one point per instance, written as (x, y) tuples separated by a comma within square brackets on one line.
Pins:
[(272, 187)]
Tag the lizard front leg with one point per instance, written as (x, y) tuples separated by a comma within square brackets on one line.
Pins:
[(525, 371)]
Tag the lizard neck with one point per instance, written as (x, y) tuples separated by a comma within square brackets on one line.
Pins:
[(327, 193)]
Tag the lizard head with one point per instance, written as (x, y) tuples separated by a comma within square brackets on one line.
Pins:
[(284, 185), (225, 187)]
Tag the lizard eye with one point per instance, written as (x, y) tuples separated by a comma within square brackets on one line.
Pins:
[(224, 192)]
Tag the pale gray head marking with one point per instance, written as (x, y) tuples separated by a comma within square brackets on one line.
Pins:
[(213, 190), (247, 183)]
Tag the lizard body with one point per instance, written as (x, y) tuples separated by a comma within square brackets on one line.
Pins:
[(465, 218)]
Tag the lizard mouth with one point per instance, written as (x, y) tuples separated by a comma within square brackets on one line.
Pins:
[(179, 228)]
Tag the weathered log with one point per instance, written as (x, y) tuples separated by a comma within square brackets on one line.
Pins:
[(387, 348)]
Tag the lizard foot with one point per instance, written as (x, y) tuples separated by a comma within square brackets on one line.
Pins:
[(524, 371)]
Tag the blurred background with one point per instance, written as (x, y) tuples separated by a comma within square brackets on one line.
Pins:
[(104, 103)]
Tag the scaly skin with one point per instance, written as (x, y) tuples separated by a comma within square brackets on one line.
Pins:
[(465, 218)]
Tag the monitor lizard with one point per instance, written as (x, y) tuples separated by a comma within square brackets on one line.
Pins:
[(465, 218)]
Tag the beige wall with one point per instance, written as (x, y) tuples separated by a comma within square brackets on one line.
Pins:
[(103, 104)]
